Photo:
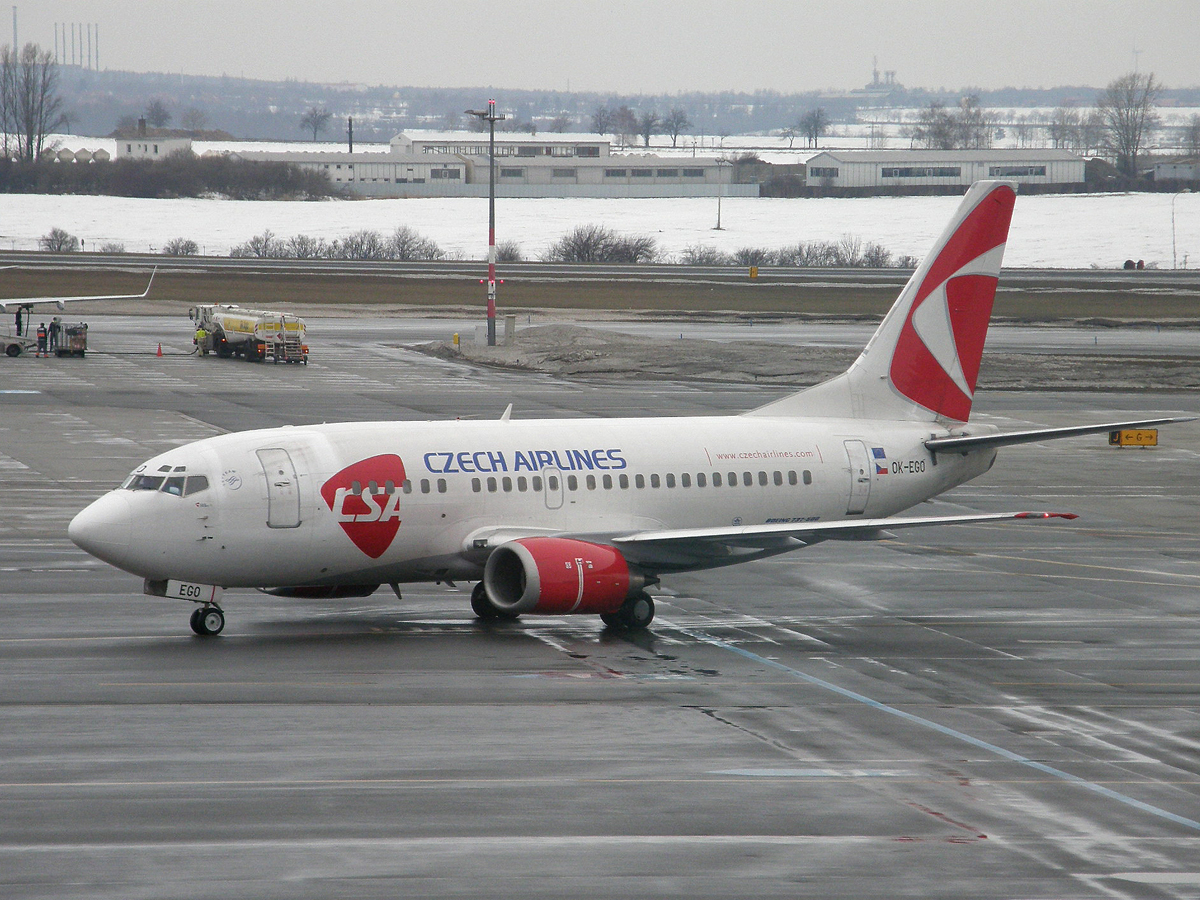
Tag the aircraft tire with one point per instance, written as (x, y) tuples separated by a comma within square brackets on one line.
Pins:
[(208, 621), (13, 350), (612, 619), (637, 611), (482, 606)]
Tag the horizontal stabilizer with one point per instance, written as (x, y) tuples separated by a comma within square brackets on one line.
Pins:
[(963, 443)]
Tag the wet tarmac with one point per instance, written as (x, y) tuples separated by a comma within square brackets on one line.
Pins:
[(993, 711)]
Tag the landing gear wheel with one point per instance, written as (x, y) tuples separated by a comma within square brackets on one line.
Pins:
[(207, 620), (12, 350), (612, 619), (482, 606), (637, 611)]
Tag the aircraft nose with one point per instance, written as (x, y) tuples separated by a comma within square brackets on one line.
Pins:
[(103, 529)]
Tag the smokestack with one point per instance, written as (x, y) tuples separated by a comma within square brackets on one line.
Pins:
[(350, 131)]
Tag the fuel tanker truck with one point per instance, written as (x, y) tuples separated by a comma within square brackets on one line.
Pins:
[(230, 330)]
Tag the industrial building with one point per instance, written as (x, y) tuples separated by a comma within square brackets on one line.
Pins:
[(876, 169), (455, 164)]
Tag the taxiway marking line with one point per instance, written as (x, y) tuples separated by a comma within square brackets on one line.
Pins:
[(943, 729)]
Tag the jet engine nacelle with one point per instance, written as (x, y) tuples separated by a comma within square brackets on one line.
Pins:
[(556, 576)]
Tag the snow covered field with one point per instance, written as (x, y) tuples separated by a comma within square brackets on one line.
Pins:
[(1065, 231)]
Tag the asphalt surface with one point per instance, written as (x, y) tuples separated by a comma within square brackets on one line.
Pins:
[(994, 711)]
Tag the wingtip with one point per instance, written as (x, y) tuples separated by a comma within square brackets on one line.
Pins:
[(1046, 515)]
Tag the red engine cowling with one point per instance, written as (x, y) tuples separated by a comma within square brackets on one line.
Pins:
[(556, 576)]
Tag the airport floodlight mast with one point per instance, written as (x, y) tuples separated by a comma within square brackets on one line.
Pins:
[(489, 116)]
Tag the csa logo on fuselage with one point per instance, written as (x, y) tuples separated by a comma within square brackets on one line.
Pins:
[(365, 500)]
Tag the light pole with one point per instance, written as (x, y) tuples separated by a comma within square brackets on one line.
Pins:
[(1173, 199), (489, 116), (721, 163)]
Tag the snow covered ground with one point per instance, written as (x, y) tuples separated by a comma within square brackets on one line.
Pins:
[(1062, 231)]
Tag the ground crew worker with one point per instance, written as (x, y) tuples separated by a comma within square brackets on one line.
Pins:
[(54, 331), (202, 341), (19, 317), (41, 340)]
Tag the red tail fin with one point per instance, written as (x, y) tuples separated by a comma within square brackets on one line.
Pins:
[(923, 361)]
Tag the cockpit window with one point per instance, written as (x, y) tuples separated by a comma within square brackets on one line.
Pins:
[(174, 485), (145, 482), (195, 484)]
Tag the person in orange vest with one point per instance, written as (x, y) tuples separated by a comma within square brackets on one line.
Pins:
[(41, 340)]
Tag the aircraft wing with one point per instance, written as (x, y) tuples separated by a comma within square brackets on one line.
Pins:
[(981, 441), (712, 547), (28, 302)]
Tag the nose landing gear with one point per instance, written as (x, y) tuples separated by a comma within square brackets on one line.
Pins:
[(207, 620)]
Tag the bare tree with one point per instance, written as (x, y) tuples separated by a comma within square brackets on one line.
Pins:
[(157, 114), (31, 106), (57, 240), (1127, 108), (316, 120), (789, 134), (1064, 128), (560, 124), (973, 131), (624, 124), (675, 123), (194, 119), (813, 124), (648, 125), (602, 120), (1191, 136)]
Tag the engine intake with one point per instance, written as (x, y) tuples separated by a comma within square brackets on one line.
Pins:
[(557, 576)]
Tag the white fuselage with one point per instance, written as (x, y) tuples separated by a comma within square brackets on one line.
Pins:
[(330, 504)]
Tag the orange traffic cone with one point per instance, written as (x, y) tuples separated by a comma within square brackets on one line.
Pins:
[(159, 353)]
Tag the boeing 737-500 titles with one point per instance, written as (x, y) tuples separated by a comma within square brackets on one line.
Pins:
[(556, 517)]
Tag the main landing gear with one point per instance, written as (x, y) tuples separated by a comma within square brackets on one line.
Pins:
[(482, 606), (207, 620), (636, 612)]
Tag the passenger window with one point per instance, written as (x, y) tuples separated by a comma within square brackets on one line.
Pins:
[(670, 480), (608, 482), (195, 484), (623, 481), (537, 482), (654, 481), (747, 479), (424, 485), (807, 477), (552, 482), (174, 485), (491, 484), (762, 479), (685, 480), (701, 481), (716, 479), (522, 483), (506, 483), (476, 485), (441, 485), (639, 481), (407, 486), (572, 483), (792, 477), (591, 482), (356, 488), (389, 487), (778, 477), (732, 479)]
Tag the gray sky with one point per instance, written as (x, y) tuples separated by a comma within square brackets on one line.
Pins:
[(645, 46)]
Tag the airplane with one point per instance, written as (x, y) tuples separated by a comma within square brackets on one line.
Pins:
[(560, 517), (13, 346)]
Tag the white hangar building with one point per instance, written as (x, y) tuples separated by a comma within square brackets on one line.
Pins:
[(455, 164), (918, 168)]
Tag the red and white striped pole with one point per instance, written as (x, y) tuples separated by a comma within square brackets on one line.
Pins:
[(491, 285)]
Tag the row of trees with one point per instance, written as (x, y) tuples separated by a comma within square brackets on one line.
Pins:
[(1119, 125), (625, 124)]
